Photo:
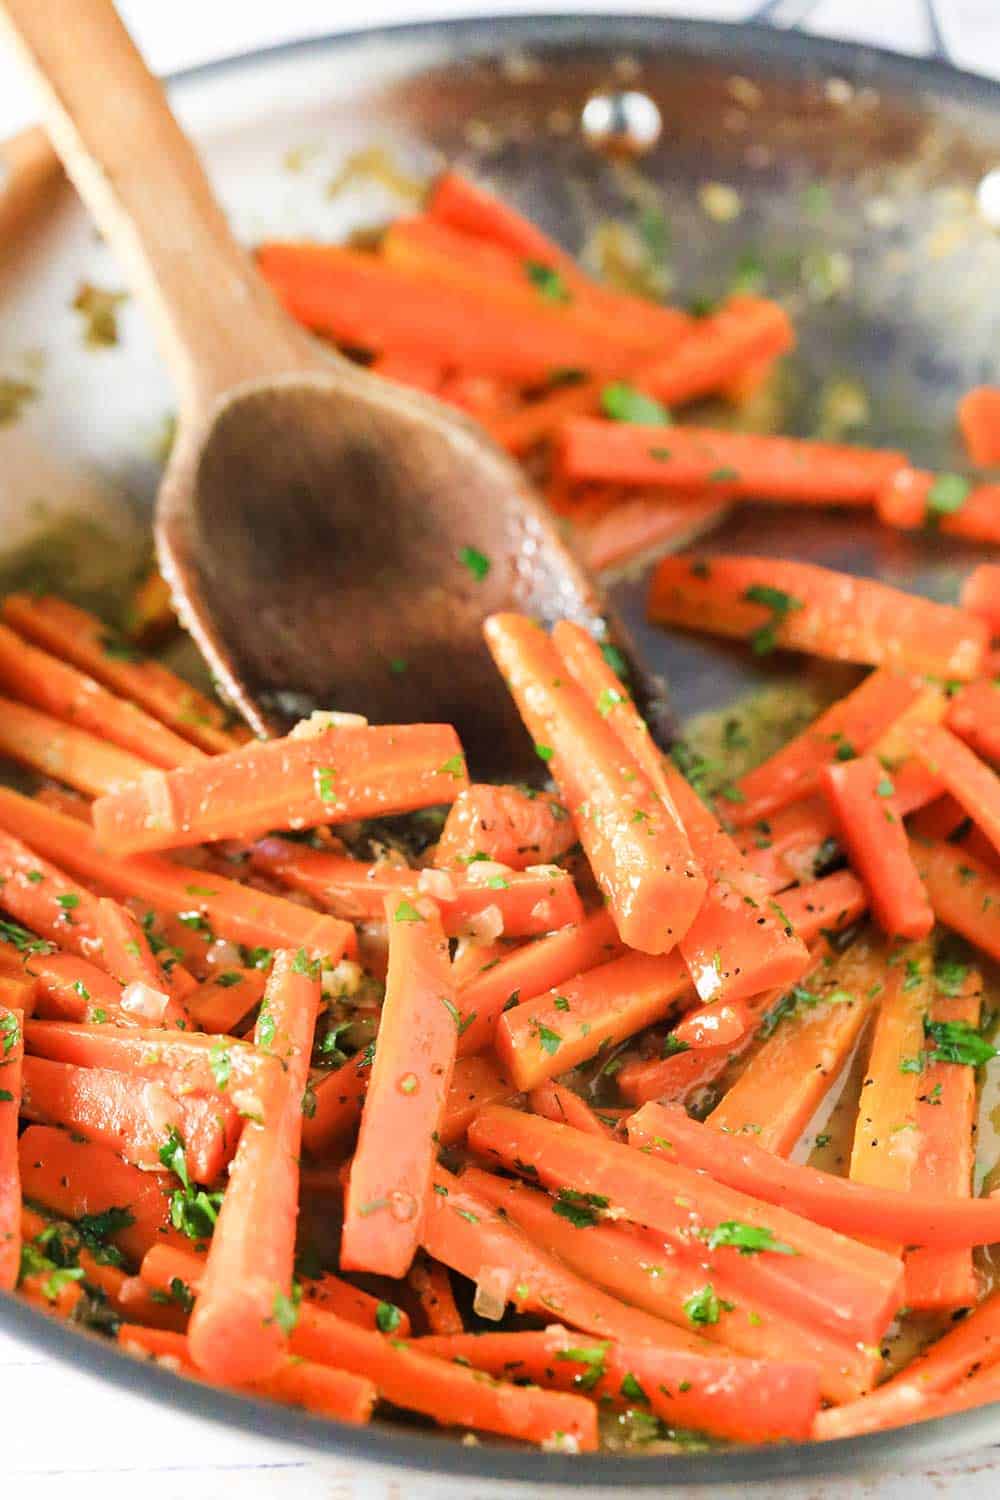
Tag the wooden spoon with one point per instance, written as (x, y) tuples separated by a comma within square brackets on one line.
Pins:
[(313, 519)]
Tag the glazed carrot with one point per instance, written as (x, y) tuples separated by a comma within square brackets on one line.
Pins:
[(981, 1389), (555, 1102), (826, 905), (61, 800), (974, 715), (74, 1179), (73, 756), (239, 1326), (847, 729), (44, 899), (475, 1082), (718, 1024), (72, 989), (407, 1092), (870, 824), (945, 1280), (17, 994), (464, 1231), (638, 851), (86, 642), (979, 421), (361, 300), (430, 1281), (49, 1294), (503, 823), (564, 1027), (128, 957), (847, 1287), (529, 902), (646, 1274), (742, 331), (338, 1098), (220, 1004), (802, 607), (852, 1207), (531, 970), (947, 502), (980, 594), (473, 957), (972, 1345), (742, 465), (11, 1059), (296, 1382), (745, 1400), (964, 892), (422, 373), (790, 845), (611, 536), (53, 686), (806, 1049), (228, 909), (972, 783), (151, 616)]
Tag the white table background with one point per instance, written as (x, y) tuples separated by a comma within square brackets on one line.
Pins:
[(62, 1431)]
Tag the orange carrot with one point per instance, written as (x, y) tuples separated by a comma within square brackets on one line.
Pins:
[(946, 502), (555, 1102), (638, 851), (845, 1286), (981, 1389), (61, 800), (431, 1282), (742, 331), (529, 902), (86, 642), (974, 715), (847, 729), (333, 776), (422, 373), (221, 1003), (827, 905), (72, 989), (745, 1400), (11, 1060), (151, 615), (17, 994), (338, 1098), (224, 907), (475, 1082), (503, 823), (128, 957), (44, 899), (56, 688), (980, 594), (802, 607), (974, 785), (979, 421), (964, 892), (862, 795), (239, 1326), (407, 1091), (531, 970), (564, 1027), (611, 536), (73, 756), (472, 957), (50, 1294), (718, 1024)]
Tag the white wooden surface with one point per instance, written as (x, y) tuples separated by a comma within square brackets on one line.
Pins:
[(57, 1423)]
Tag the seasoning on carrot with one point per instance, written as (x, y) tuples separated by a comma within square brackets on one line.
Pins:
[(11, 1059)]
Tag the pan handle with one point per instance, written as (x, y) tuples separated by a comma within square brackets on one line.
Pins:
[(791, 14)]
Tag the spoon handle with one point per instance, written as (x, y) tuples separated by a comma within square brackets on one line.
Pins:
[(109, 120)]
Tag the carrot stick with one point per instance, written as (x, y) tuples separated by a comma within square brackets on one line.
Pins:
[(86, 642), (981, 1389), (948, 502), (862, 795), (72, 989), (852, 1207), (847, 729), (847, 1287), (422, 373), (564, 1027), (505, 824), (979, 422), (55, 1298), (974, 785), (239, 1326), (944, 1280), (453, 1396), (11, 1059), (611, 536), (644, 1273), (964, 892), (741, 465), (431, 1282), (972, 1345), (530, 902), (638, 851), (338, 1098), (225, 907), (531, 970), (745, 1400), (791, 844), (296, 1382), (980, 594), (220, 1004), (555, 1102), (44, 899), (475, 1082), (334, 776), (472, 958), (827, 905), (35, 677), (61, 800), (801, 607), (407, 1092), (127, 955), (974, 715), (73, 756), (17, 994), (74, 1179)]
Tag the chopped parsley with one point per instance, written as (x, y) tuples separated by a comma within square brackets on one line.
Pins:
[(286, 1309), (547, 281), (957, 1042), (623, 403), (704, 1306), (947, 495), (748, 1239), (544, 752), (220, 1060), (406, 912), (593, 1357), (764, 640), (387, 1317), (477, 562), (582, 1210), (323, 781)]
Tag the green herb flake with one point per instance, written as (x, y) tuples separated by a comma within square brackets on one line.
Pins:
[(323, 777), (748, 1239), (221, 1062), (406, 912), (947, 495), (957, 1042), (544, 752), (547, 281), (623, 403), (704, 1306), (477, 562), (387, 1317), (582, 1210)]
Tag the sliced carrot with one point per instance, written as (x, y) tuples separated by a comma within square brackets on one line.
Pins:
[(972, 783), (68, 988), (718, 1024), (421, 372), (431, 1283), (55, 1298), (86, 642), (70, 755), (61, 800), (11, 1060), (979, 421), (980, 1389), (239, 1326), (531, 970), (44, 899), (852, 1207), (17, 994), (639, 853), (611, 536), (407, 1092), (475, 1082), (338, 1098), (529, 902), (827, 905), (802, 607), (555, 1102), (847, 729), (974, 715), (947, 502), (222, 906), (127, 955), (742, 331), (220, 1004), (964, 892), (473, 957), (870, 823), (334, 776), (849, 1288), (504, 823), (981, 594)]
